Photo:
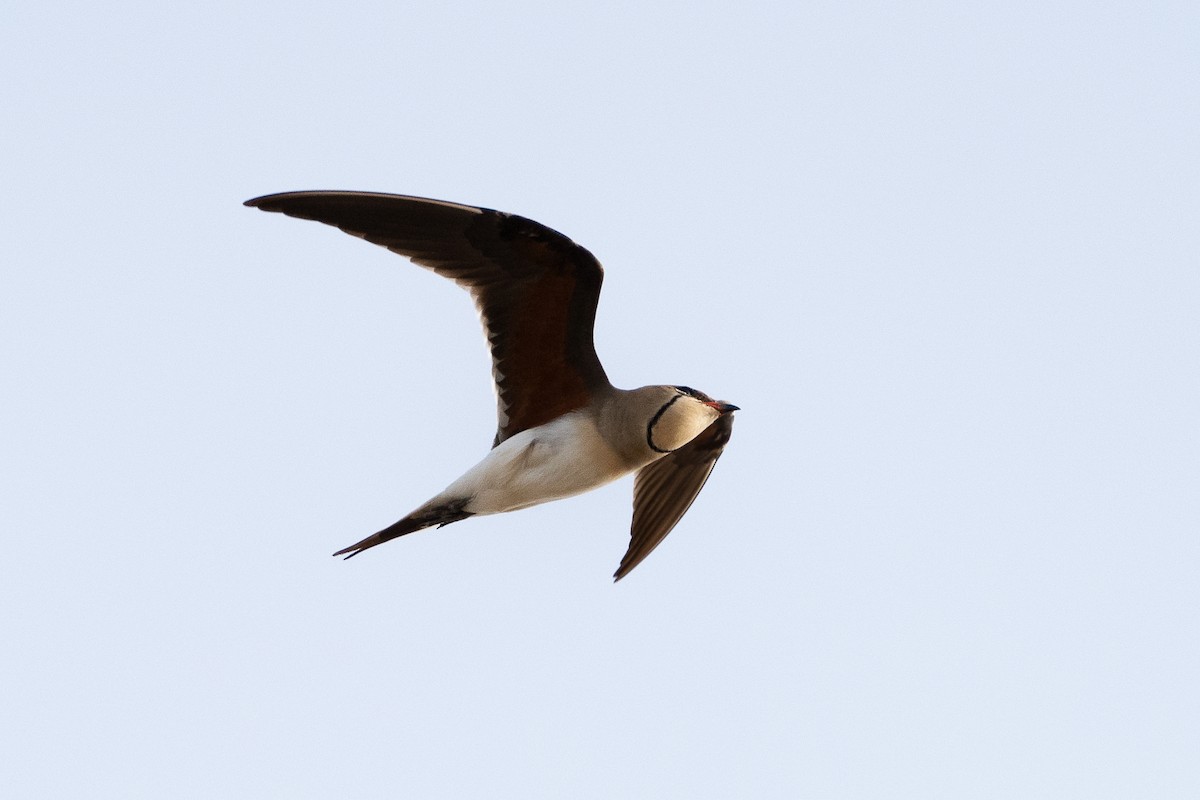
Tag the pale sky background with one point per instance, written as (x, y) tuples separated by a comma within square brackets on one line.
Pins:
[(945, 256)]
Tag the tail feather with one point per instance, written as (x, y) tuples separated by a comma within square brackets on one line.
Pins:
[(424, 517)]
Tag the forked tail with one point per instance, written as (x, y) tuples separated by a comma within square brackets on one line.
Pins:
[(424, 517)]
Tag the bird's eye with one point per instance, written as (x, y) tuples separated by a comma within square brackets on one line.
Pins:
[(689, 391)]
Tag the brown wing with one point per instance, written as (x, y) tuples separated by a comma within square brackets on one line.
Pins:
[(665, 489), (536, 290)]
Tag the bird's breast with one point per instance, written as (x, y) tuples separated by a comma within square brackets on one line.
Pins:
[(564, 457)]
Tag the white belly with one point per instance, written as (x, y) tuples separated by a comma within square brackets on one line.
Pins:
[(559, 459)]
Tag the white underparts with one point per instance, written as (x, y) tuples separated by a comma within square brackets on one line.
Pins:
[(564, 457)]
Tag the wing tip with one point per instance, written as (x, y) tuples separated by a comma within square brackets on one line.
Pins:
[(263, 201), (629, 563)]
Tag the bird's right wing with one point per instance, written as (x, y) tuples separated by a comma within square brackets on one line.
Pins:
[(665, 489)]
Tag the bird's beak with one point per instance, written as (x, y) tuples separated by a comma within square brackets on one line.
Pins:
[(722, 407)]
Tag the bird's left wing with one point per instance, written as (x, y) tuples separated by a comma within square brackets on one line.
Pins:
[(535, 289), (665, 489)]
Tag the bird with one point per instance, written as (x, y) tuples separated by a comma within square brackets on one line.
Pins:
[(563, 428)]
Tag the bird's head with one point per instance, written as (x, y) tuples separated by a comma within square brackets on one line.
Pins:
[(677, 414)]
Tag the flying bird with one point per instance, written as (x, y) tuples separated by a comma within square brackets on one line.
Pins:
[(563, 428)]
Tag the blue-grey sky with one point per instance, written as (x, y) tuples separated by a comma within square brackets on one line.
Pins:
[(944, 256)]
